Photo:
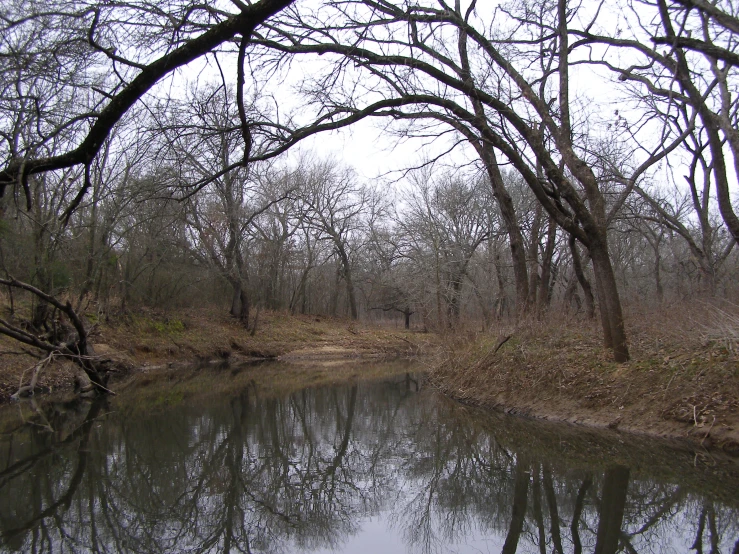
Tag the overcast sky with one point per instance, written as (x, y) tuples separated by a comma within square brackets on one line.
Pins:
[(375, 153)]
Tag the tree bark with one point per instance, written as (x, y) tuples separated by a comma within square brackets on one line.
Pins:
[(533, 254), (501, 302), (240, 305), (350, 293), (577, 514), (658, 276), (614, 332), (553, 512), (584, 283), (545, 285)]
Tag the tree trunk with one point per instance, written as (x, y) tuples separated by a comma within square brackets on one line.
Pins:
[(513, 229), (544, 294), (584, 283), (95, 369), (612, 506), (453, 303), (236, 300), (577, 514), (334, 307), (240, 301), (614, 332), (593, 217), (350, 293), (501, 302), (533, 255), (553, 512), (437, 275), (711, 125), (538, 514), (518, 512), (570, 295), (658, 276), (299, 293)]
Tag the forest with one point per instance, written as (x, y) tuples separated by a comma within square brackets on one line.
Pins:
[(574, 160)]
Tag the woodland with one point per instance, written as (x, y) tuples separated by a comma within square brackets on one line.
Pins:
[(575, 158)]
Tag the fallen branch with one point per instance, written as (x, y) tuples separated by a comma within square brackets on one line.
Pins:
[(28, 390), (501, 341), (72, 346)]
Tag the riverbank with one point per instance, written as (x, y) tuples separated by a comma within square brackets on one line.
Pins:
[(681, 383), (147, 341)]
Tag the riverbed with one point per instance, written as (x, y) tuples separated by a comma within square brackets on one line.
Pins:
[(381, 465)]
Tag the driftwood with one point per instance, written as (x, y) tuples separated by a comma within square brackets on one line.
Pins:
[(59, 342), (28, 390)]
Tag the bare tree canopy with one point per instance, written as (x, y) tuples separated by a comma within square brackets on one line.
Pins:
[(101, 59)]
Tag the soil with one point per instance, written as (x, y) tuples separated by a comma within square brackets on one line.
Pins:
[(681, 383), (148, 340)]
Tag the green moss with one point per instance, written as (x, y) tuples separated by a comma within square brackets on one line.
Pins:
[(168, 326)]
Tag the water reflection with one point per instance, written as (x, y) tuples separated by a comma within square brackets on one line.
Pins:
[(344, 469)]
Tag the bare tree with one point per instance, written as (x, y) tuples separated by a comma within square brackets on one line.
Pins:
[(335, 203), (690, 82), (135, 45), (531, 130), (442, 228), (67, 338), (202, 143)]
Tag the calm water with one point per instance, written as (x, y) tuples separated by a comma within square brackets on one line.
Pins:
[(374, 467)]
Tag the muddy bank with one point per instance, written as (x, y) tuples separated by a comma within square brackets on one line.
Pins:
[(681, 384), (676, 389), (147, 341)]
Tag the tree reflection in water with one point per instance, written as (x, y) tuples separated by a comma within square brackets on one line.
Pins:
[(307, 471)]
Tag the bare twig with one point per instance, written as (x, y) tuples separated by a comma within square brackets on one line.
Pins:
[(709, 430)]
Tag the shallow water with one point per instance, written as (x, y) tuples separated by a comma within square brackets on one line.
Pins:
[(370, 467)]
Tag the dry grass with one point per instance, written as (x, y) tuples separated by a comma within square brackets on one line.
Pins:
[(683, 378), (722, 327), (677, 383), (157, 338)]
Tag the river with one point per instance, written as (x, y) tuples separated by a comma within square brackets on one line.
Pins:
[(384, 467)]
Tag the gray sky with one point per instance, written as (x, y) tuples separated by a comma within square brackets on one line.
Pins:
[(375, 153)]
